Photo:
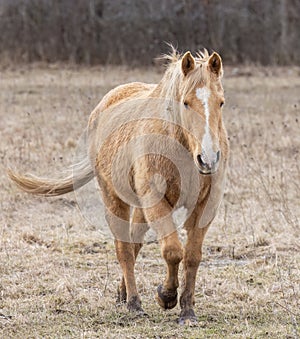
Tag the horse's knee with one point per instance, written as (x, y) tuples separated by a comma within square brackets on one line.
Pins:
[(172, 254), (172, 250)]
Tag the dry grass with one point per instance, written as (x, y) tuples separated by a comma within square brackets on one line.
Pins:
[(58, 274)]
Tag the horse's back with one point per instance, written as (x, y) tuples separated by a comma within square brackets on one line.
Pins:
[(111, 102), (125, 92)]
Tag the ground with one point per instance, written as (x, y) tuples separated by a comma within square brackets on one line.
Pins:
[(58, 271)]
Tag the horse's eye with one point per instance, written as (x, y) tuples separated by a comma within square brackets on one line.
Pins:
[(186, 105), (222, 104)]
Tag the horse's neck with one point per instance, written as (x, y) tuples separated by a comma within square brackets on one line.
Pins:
[(168, 86), (160, 91)]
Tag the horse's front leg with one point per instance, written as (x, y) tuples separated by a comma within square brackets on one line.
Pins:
[(160, 219), (172, 252), (191, 261)]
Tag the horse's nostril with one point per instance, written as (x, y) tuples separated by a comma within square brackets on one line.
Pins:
[(208, 164), (218, 157), (200, 161)]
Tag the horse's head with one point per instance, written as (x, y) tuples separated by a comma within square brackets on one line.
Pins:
[(202, 97)]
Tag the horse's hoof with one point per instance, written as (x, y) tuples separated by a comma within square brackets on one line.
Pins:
[(121, 296), (134, 305), (188, 318), (166, 299), (191, 322)]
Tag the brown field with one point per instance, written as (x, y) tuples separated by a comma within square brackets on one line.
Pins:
[(58, 273)]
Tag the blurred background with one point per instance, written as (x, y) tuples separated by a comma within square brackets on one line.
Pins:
[(134, 32)]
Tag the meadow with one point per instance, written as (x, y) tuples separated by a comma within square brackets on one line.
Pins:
[(58, 270)]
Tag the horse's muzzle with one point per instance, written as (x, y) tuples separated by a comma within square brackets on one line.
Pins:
[(208, 165)]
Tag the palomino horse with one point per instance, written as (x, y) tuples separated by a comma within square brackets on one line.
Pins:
[(154, 148)]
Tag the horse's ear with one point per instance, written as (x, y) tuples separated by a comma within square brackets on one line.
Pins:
[(187, 63), (215, 64)]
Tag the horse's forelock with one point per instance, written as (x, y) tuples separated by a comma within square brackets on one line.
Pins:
[(202, 55), (198, 75), (175, 85), (174, 55)]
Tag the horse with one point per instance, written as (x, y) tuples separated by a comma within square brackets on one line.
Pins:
[(154, 148)]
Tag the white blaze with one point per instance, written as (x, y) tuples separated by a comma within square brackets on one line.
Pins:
[(203, 94)]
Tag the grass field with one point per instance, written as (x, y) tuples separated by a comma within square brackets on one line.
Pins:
[(58, 272)]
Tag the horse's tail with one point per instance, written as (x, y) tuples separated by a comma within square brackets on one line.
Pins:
[(75, 177)]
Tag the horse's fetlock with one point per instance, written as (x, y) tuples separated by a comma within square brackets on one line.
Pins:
[(134, 304), (121, 295), (187, 300)]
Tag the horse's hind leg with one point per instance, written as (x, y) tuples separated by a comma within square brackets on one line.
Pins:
[(118, 214), (161, 220), (138, 229), (125, 255)]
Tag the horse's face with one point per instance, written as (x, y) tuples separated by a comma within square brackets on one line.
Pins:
[(201, 110)]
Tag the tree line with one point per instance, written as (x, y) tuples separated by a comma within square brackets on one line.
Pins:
[(136, 31)]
